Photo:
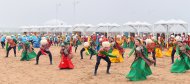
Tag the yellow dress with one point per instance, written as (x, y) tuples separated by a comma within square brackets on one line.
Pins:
[(169, 52), (119, 58), (158, 53)]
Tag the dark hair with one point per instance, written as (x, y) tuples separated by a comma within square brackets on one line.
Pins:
[(139, 41)]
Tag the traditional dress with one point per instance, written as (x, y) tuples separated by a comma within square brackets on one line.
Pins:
[(66, 62), (131, 42), (3, 38), (103, 54), (125, 42), (183, 64), (188, 39), (117, 51), (150, 45), (168, 53), (77, 42), (44, 50), (20, 44), (11, 43), (158, 50), (140, 67), (89, 49), (28, 52), (36, 42)]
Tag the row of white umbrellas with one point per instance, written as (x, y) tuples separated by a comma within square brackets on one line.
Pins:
[(137, 26), (137, 23), (90, 25), (171, 21)]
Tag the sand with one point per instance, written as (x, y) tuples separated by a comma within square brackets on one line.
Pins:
[(14, 71)]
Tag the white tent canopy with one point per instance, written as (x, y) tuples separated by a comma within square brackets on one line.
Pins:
[(171, 25), (107, 27), (137, 27), (166, 26), (80, 27)]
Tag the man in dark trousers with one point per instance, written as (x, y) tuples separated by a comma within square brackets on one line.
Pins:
[(44, 49)]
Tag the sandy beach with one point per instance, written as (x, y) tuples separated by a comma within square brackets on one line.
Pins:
[(14, 71)]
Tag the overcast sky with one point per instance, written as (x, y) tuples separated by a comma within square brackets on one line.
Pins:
[(14, 13)]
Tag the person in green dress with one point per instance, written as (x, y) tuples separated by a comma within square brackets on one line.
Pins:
[(125, 42), (182, 63), (77, 42), (131, 42), (28, 52), (140, 67)]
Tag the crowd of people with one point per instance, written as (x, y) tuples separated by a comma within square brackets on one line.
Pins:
[(112, 49)]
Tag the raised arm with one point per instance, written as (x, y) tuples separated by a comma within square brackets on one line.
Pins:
[(187, 47), (131, 52)]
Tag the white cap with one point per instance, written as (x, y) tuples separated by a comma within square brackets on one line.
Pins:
[(154, 38), (172, 36), (178, 38), (100, 39), (118, 36), (43, 42), (148, 41), (106, 44), (86, 44), (8, 37)]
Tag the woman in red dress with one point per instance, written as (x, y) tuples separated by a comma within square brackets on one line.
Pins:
[(66, 52)]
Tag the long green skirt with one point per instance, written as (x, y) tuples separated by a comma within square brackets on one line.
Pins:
[(125, 45), (139, 70), (131, 44), (28, 55), (181, 65)]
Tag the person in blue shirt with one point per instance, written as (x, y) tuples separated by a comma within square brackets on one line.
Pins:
[(36, 42), (13, 36), (19, 42), (19, 37), (24, 39), (67, 38), (3, 41), (55, 40)]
